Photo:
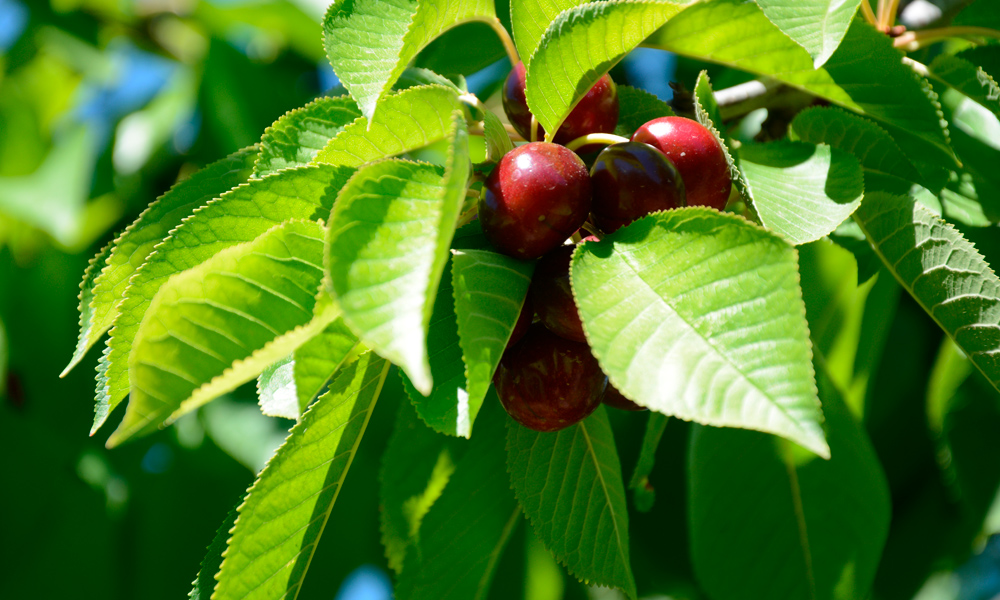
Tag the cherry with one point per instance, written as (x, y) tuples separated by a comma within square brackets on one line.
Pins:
[(697, 155), (615, 399), (523, 322), (547, 382), (631, 180), (535, 198), (597, 111), (552, 296)]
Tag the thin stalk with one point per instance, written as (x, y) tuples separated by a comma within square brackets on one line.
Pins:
[(596, 138), (914, 40), (888, 18), (474, 102), (534, 129), (880, 15), (866, 10)]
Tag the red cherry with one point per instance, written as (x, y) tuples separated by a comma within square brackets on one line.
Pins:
[(597, 111), (615, 399), (631, 180), (548, 383), (697, 155), (535, 198), (552, 296)]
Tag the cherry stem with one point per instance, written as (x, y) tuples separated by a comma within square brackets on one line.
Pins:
[(508, 44), (468, 216), (605, 139), (534, 129), (887, 14), (473, 101), (866, 9), (914, 40), (591, 230)]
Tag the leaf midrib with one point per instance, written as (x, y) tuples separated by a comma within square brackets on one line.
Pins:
[(607, 496)]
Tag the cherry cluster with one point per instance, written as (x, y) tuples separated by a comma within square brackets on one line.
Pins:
[(540, 195)]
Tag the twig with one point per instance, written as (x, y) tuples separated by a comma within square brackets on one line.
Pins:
[(914, 40)]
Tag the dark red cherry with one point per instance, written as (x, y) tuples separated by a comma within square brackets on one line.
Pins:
[(697, 155), (615, 399), (547, 382), (552, 296), (631, 180), (597, 111), (535, 198), (522, 323)]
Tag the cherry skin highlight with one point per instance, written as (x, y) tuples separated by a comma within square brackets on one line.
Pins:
[(535, 198), (552, 297), (615, 399), (631, 180), (597, 111), (547, 383), (696, 153)]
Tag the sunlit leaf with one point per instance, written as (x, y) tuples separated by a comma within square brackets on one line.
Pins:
[(569, 484), (296, 138), (530, 19), (714, 304), (497, 139), (816, 25), (706, 112), (287, 508), (969, 78)]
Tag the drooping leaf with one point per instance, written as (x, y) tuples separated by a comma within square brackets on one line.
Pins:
[(943, 272), (402, 215), (489, 291), (530, 19), (416, 466), (569, 484), (204, 584), (288, 386), (580, 46), (287, 508), (237, 216), (968, 78), (463, 535), (816, 25), (204, 327), (802, 191), (85, 307), (370, 44), (297, 137), (636, 107), (130, 250), (480, 48), (643, 493), (706, 112), (497, 139), (865, 74), (824, 522), (407, 120), (714, 304)]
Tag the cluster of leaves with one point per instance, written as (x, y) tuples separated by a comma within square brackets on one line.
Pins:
[(317, 259)]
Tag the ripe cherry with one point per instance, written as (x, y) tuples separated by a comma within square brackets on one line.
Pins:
[(597, 111), (552, 297), (547, 382), (696, 153), (631, 180), (615, 399), (535, 198)]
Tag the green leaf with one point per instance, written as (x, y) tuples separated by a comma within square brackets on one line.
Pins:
[(464, 533), (497, 140), (706, 112), (569, 484), (86, 297), (204, 584), (287, 387), (489, 290), (980, 13), (878, 153), (370, 44), (825, 522), (287, 508), (401, 215), (643, 493), (297, 137), (801, 191), (580, 46), (416, 466), (410, 119), (413, 77), (480, 48), (865, 74), (636, 107), (943, 272), (714, 304), (202, 332), (530, 19), (130, 250), (968, 78), (816, 25), (235, 217)]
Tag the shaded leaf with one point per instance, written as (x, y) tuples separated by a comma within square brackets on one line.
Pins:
[(706, 112), (943, 272), (714, 304), (296, 138), (644, 494), (204, 584), (969, 78), (569, 484), (816, 25), (825, 522), (287, 508), (636, 107)]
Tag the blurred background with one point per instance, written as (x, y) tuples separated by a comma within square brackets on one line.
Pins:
[(104, 104)]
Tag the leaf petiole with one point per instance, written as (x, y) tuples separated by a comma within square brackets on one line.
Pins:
[(915, 40)]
